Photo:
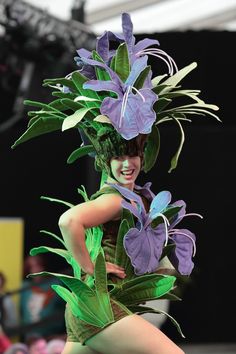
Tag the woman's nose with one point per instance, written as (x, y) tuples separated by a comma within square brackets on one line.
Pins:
[(125, 162)]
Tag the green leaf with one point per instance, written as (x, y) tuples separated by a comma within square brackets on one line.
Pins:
[(79, 80), (167, 250), (152, 149), (145, 309), (121, 257), (72, 120), (159, 88), (142, 77), (71, 104), (161, 104), (51, 107), (54, 200), (175, 158), (54, 236), (60, 81), (146, 290), (178, 76), (79, 309), (156, 80), (44, 249), (103, 298), (83, 193), (81, 151), (122, 64), (93, 242), (169, 213), (100, 72), (40, 127)]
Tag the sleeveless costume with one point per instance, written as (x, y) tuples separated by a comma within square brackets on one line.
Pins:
[(80, 331), (117, 108)]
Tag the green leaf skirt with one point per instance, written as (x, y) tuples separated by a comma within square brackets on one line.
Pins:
[(80, 331)]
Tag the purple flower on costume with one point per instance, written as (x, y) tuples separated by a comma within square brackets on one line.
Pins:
[(144, 244), (131, 113)]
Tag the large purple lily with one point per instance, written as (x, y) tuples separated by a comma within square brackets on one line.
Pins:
[(131, 113), (144, 244)]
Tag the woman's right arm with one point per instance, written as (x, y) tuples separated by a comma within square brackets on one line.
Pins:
[(86, 215)]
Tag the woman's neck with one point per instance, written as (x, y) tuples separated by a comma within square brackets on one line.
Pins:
[(129, 186)]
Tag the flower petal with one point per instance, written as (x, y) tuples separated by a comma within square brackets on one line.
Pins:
[(144, 248), (103, 44), (181, 257), (145, 191), (145, 43), (159, 203), (98, 85), (127, 27), (181, 213)]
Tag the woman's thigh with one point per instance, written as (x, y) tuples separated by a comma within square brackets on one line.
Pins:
[(132, 335), (78, 348)]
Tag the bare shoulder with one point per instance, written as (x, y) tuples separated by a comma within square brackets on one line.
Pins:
[(104, 208)]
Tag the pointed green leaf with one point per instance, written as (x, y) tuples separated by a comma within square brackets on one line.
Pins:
[(156, 80), (81, 151), (122, 64), (121, 257), (61, 82), (101, 73), (149, 289), (161, 104), (102, 119), (144, 309), (72, 120), (142, 77), (54, 200), (79, 309), (169, 213), (175, 158), (179, 75), (104, 309), (40, 127), (44, 249), (71, 104), (53, 235), (152, 149)]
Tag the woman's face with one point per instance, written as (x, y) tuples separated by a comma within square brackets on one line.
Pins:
[(126, 169)]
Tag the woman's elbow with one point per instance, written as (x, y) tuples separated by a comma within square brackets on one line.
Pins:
[(65, 221)]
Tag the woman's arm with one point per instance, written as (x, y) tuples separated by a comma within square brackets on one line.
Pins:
[(89, 214)]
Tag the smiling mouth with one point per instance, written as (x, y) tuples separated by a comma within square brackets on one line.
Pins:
[(127, 172)]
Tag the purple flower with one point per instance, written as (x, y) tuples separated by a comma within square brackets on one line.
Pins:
[(131, 113), (143, 244), (137, 50)]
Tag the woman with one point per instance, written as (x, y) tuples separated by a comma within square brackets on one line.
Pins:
[(117, 108), (130, 334)]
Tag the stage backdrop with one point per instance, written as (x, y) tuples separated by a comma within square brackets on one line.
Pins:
[(205, 179)]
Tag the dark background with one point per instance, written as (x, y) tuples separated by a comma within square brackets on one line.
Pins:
[(204, 177)]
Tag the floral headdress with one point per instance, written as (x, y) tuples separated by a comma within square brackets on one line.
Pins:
[(113, 95)]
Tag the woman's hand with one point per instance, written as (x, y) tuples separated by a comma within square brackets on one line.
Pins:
[(115, 269)]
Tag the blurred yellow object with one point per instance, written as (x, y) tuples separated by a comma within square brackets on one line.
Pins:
[(11, 251)]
